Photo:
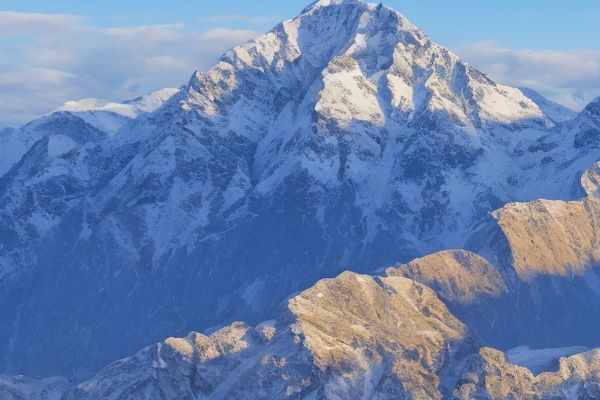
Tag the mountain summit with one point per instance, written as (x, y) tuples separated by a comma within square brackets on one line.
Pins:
[(341, 139), (358, 63)]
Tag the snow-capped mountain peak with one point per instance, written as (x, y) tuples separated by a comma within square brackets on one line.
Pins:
[(111, 116), (328, 3), (128, 108), (353, 62)]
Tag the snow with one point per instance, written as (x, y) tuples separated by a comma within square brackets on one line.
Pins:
[(236, 190), (154, 100), (329, 3), (543, 359), (506, 104), (347, 95), (43, 222), (81, 105), (129, 109), (556, 112), (110, 116), (402, 93)]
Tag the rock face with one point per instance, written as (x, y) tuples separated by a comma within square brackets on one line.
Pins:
[(351, 325), (588, 126), (552, 237), (457, 276), (342, 138)]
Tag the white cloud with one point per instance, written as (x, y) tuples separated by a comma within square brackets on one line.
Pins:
[(569, 77), (46, 60), (245, 19), (14, 23)]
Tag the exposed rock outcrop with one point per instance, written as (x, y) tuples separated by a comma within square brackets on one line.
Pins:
[(457, 276)]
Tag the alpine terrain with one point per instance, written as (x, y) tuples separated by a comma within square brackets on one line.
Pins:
[(343, 139)]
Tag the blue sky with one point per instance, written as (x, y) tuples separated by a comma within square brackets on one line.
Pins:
[(542, 25), (59, 50)]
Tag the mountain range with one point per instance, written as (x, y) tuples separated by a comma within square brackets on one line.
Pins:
[(343, 139)]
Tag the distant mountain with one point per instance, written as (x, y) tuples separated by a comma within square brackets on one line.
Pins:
[(107, 118), (556, 112), (341, 139), (110, 117)]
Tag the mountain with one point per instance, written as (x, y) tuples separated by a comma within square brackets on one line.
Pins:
[(341, 139), (107, 118)]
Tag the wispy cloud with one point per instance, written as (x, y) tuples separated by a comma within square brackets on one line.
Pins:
[(15, 23), (48, 59), (569, 77), (245, 19)]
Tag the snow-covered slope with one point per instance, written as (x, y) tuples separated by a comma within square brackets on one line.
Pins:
[(343, 138), (556, 112)]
